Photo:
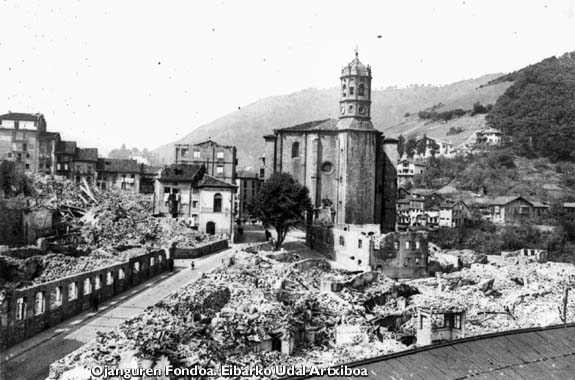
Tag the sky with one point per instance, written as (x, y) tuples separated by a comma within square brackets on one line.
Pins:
[(146, 73)]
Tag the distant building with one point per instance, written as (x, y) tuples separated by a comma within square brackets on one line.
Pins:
[(187, 192), (453, 214), (220, 160), (436, 147), (248, 184), (408, 168), (84, 165), (121, 174), (515, 209), (24, 138), (65, 153), (489, 136)]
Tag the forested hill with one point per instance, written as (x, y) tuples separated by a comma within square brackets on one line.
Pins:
[(538, 109)]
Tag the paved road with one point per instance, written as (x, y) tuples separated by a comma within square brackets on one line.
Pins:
[(31, 359)]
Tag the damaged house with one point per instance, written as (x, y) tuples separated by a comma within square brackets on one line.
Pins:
[(186, 191)]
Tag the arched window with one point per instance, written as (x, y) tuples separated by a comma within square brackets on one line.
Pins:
[(39, 303), (295, 149), (136, 267), (160, 259), (218, 202), (87, 286), (21, 306), (56, 297), (72, 291), (152, 261), (98, 282), (110, 278), (121, 274)]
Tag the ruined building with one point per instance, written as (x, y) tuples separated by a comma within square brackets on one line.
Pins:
[(346, 163), (220, 160), (24, 139)]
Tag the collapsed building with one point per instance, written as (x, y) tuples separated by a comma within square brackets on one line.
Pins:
[(396, 254), (67, 244), (257, 311)]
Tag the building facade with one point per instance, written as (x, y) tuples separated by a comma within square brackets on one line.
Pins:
[(248, 184), (118, 174), (345, 163), (220, 160), (84, 165), (24, 138), (187, 192)]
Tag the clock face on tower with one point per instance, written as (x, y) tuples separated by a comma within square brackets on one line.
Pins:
[(362, 110)]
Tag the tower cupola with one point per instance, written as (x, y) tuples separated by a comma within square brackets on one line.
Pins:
[(355, 99)]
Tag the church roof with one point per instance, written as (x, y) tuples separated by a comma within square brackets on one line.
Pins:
[(353, 123), (317, 125)]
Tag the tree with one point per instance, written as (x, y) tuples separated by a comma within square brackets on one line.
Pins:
[(410, 147), (281, 203), (400, 145), (421, 146)]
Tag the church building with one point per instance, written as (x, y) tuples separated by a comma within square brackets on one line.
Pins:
[(347, 165)]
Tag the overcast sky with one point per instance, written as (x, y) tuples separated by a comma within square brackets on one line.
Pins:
[(145, 73)]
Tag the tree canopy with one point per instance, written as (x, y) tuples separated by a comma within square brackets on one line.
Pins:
[(538, 110), (281, 203)]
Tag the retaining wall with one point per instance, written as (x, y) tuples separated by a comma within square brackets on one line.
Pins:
[(24, 313)]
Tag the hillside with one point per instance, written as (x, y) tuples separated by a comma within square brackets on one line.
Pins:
[(538, 110), (246, 126)]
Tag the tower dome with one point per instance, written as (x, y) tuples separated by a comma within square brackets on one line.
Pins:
[(355, 101), (355, 67)]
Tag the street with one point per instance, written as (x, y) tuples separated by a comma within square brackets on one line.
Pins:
[(30, 360)]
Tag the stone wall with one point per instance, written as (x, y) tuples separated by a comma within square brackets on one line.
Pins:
[(28, 311), (320, 238), (192, 253)]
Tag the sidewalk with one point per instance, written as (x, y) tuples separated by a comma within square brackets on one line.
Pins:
[(30, 359)]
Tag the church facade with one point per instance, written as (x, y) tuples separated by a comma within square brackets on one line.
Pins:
[(347, 165)]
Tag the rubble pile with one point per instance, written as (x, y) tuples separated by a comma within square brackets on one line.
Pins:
[(240, 312)]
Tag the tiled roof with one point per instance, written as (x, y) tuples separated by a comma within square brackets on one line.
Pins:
[(66, 147), (209, 181), (20, 116), (490, 130), (503, 200), (86, 154), (318, 125), (182, 173), (113, 165)]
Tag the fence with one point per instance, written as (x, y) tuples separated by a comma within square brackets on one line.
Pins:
[(28, 311)]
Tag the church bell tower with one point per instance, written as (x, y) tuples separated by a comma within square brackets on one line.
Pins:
[(355, 90)]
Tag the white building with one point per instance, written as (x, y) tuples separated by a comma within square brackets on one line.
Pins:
[(187, 192), (489, 136), (453, 214)]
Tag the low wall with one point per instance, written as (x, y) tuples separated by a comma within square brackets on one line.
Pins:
[(192, 253), (26, 312)]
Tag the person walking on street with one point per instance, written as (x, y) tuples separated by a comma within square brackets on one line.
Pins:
[(192, 265)]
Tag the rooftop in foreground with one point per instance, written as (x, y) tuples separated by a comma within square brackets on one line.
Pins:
[(536, 353)]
